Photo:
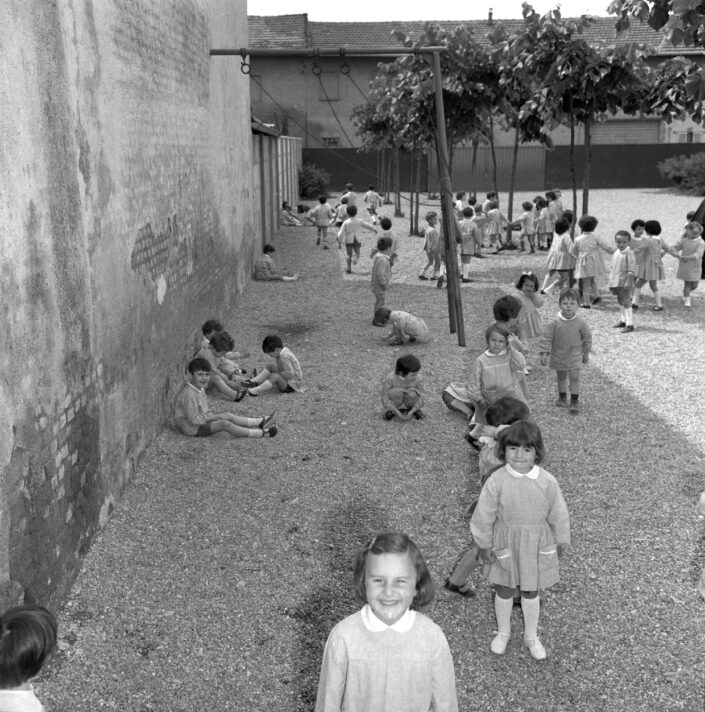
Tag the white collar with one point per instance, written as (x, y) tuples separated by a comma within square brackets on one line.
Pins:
[(501, 353), (532, 474), (198, 390), (565, 318), (371, 622)]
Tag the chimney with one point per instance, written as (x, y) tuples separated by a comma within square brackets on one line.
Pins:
[(489, 17)]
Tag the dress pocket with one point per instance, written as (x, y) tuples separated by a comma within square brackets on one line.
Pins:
[(548, 559), (504, 558)]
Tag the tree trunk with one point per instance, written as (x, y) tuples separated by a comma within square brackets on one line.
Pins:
[(387, 175), (586, 171), (397, 192), (419, 158), (494, 156), (412, 182), (512, 177), (571, 165), (475, 144)]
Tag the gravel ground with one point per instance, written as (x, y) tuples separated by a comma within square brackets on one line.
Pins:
[(227, 562)]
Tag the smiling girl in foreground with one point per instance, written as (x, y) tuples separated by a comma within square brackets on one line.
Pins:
[(388, 657), (521, 526)]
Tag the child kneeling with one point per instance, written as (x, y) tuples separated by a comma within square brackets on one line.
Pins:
[(193, 418), (402, 392)]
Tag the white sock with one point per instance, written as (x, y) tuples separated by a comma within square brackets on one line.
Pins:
[(266, 386), (637, 296), (629, 316), (256, 433), (686, 301), (657, 297), (503, 611), (622, 314), (466, 271), (531, 608)]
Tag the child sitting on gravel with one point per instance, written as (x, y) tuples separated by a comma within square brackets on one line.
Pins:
[(284, 372), (193, 418), (402, 391), (219, 378), (27, 639), (405, 326)]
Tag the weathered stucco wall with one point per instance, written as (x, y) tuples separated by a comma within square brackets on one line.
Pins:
[(126, 220)]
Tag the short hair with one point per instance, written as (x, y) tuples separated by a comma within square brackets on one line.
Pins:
[(527, 205), (369, 187), (550, 195), (505, 411), (351, 210), (506, 308), (322, 199), (222, 341), (491, 194), (394, 543), (384, 243), (690, 215), (652, 227), (460, 195), (522, 432), (478, 210), (637, 223), (385, 223), (267, 249), (540, 202), (468, 212), (348, 186), (198, 364), (527, 277), (271, 342), (695, 226), (210, 326), (494, 205), (27, 639), (382, 314), (495, 328), (431, 214), (472, 200), (562, 226), (587, 223), (284, 204), (569, 293), (623, 233), (407, 364), (343, 201), (568, 215)]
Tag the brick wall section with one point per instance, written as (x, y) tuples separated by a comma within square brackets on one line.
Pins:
[(127, 206)]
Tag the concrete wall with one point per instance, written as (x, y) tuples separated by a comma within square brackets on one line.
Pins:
[(125, 211)]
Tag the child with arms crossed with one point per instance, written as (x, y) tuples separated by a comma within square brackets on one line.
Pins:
[(522, 528), (388, 657)]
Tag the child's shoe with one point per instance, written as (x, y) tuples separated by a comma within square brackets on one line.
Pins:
[(419, 414), (635, 306), (562, 402), (271, 431), (475, 444), (574, 408), (597, 300), (619, 325), (318, 242), (538, 652), (267, 420), (627, 329), (465, 590), (439, 282), (389, 415), (325, 247), (499, 644), (424, 277)]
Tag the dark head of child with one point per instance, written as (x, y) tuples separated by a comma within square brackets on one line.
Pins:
[(222, 342), (370, 187), (27, 639), (562, 225), (550, 195), (268, 250), (431, 216), (527, 205), (271, 343), (210, 327), (198, 364), (540, 202), (407, 364), (505, 411), (460, 195), (322, 199), (472, 200), (399, 544), (652, 227), (385, 223), (348, 186), (506, 308), (343, 201), (384, 244), (382, 315), (522, 433), (637, 224), (468, 212), (351, 210), (527, 277), (587, 223)]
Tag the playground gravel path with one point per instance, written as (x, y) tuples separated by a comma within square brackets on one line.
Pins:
[(227, 562)]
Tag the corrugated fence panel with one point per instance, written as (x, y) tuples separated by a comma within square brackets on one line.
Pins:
[(530, 170), (626, 131), (290, 162)]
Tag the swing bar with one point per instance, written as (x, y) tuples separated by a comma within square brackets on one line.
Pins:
[(450, 227)]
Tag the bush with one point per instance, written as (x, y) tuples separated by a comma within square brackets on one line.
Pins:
[(687, 172), (313, 181)]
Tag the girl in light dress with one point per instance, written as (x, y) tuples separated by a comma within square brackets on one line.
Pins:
[(560, 261), (544, 223), (27, 640), (496, 224), (388, 657), (588, 260), (529, 324), (521, 526), (689, 252), (648, 248)]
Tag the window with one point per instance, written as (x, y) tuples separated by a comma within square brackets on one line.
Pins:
[(329, 82), (330, 141)]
